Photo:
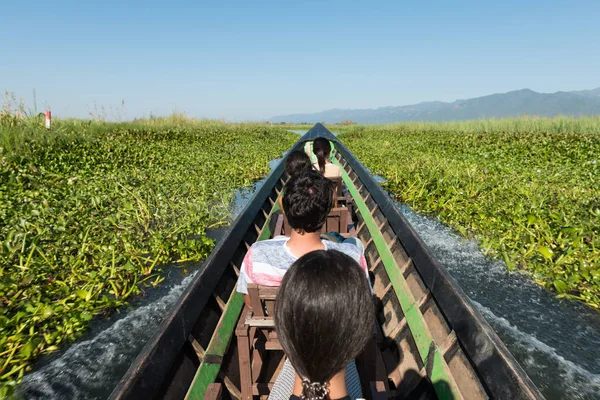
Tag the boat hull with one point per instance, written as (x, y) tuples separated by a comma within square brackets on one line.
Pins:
[(433, 343)]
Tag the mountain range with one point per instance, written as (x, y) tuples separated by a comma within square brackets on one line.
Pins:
[(501, 105)]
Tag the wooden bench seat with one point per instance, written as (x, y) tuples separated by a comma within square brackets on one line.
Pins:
[(256, 337)]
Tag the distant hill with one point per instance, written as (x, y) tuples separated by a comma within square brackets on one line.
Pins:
[(501, 105)]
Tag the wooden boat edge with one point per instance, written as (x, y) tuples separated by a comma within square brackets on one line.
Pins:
[(154, 361), (165, 344), (458, 309), (174, 330)]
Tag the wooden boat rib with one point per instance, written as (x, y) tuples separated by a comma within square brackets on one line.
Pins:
[(435, 344)]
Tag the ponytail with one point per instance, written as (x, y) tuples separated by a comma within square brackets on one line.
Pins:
[(314, 390), (322, 149)]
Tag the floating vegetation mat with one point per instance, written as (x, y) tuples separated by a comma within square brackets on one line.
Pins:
[(527, 190), (90, 211)]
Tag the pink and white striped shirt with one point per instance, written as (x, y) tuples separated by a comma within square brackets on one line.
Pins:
[(267, 261)]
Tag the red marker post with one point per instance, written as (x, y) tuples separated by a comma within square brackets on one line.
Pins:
[(48, 119)]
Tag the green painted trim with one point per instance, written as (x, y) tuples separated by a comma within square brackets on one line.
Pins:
[(441, 376), (207, 372), (332, 150), (266, 230)]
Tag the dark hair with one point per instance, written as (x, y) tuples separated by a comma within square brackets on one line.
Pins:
[(296, 161), (307, 200), (324, 316), (322, 149)]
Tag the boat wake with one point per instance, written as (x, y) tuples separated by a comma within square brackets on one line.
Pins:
[(92, 368), (556, 341), (546, 361)]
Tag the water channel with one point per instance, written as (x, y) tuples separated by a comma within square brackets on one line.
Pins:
[(556, 341)]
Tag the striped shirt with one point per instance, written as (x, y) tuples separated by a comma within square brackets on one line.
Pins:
[(267, 261)]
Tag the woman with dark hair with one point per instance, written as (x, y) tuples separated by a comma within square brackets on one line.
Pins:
[(324, 318), (322, 149)]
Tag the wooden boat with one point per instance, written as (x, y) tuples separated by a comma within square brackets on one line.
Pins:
[(433, 342)]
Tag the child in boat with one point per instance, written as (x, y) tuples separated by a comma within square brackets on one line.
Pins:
[(307, 200), (322, 149), (324, 317)]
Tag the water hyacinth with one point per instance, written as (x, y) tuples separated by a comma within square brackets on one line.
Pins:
[(90, 211), (528, 190)]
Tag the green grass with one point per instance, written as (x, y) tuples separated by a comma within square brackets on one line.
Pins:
[(515, 125), (527, 189), (90, 211)]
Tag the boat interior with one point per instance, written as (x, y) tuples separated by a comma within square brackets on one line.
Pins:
[(429, 341), (408, 358)]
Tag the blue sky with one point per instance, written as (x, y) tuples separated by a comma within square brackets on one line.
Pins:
[(250, 60)]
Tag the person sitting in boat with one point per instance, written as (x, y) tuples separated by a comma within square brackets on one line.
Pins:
[(322, 149), (307, 200), (324, 317), (296, 161), (300, 161)]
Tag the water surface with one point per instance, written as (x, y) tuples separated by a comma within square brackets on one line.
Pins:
[(556, 341)]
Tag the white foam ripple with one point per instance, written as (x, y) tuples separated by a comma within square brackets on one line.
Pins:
[(87, 370)]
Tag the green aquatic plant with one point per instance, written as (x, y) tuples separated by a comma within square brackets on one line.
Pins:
[(528, 190), (91, 211)]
